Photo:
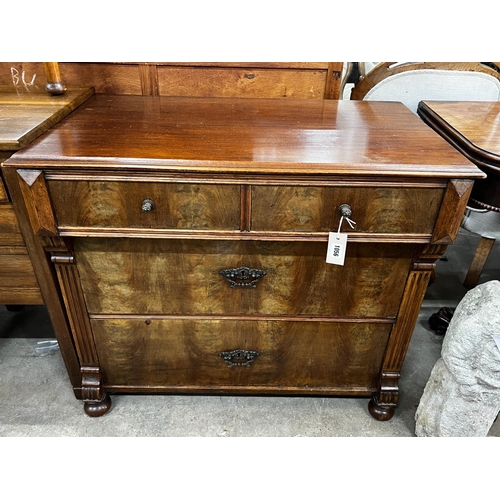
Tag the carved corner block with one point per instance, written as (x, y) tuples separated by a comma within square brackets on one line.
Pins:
[(426, 257), (91, 383), (37, 200), (451, 215)]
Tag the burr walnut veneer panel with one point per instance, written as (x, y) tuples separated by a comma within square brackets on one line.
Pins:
[(119, 205), (378, 209), (141, 276), (314, 356)]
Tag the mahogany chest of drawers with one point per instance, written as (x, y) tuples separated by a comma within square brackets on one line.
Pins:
[(184, 243)]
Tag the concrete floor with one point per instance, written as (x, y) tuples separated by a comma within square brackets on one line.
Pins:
[(37, 399)]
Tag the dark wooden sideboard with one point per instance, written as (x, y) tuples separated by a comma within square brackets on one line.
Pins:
[(183, 242)]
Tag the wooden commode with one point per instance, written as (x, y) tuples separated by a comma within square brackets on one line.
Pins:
[(184, 242)]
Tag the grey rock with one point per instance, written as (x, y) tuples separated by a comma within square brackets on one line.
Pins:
[(462, 395)]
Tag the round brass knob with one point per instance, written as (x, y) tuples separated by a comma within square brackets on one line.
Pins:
[(148, 205)]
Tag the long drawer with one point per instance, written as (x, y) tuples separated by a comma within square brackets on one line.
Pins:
[(151, 276), (210, 353)]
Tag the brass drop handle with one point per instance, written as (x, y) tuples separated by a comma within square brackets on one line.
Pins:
[(148, 205), (345, 210)]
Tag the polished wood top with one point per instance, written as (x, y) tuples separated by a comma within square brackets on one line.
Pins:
[(248, 136), (475, 126), (26, 115)]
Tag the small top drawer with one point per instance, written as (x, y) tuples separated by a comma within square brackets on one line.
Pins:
[(149, 205), (391, 210)]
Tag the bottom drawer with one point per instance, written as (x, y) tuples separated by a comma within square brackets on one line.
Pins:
[(147, 353)]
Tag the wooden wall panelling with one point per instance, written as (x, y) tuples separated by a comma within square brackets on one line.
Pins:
[(294, 80)]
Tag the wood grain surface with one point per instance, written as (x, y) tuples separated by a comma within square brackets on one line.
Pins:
[(26, 115), (374, 209), (18, 284), (473, 129), (476, 122), (237, 183), (142, 276), (181, 353), (321, 80), (119, 204), (248, 135)]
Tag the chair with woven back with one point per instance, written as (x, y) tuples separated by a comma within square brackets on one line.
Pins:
[(412, 82)]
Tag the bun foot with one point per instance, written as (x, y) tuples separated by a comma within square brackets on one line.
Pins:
[(98, 408), (378, 412)]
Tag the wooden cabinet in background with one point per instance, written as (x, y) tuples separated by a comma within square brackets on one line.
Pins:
[(25, 115), (315, 80), (183, 242)]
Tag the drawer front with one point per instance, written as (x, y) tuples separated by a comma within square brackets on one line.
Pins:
[(94, 204), (18, 283), (375, 210), (122, 276), (10, 232), (242, 82), (277, 354)]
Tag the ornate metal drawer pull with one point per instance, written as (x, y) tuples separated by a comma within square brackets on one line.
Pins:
[(243, 274), (238, 357), (148, 205)]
